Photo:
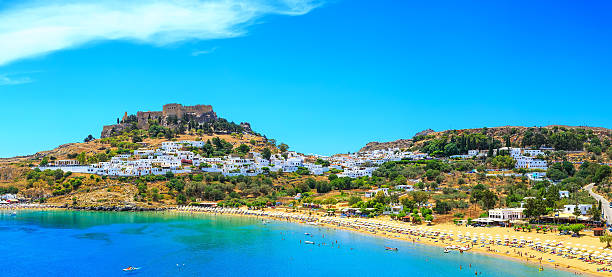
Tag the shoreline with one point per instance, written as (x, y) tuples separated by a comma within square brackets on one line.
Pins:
[(309, 219), (374, 227)]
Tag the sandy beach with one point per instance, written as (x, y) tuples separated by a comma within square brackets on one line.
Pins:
[(584, 255), (550, 250)]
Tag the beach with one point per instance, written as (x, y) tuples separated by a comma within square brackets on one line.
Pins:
[(93, 243), (550, 250)]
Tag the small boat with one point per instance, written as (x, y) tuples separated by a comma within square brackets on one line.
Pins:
[(308, 234), (131, 268), (391, 248), (446, 250), (309, 242)]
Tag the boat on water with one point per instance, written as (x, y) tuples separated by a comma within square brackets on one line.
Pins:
[(391, 248), (131, 268), (309, 242), (446, 250), (307, 234)]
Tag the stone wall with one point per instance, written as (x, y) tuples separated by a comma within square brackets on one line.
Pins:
[(143, 118), (108, 130), (202, 113)]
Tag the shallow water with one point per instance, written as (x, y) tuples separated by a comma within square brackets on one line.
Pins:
[(77, 243)]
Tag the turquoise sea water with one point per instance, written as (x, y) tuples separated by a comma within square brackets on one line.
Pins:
[(76, 243)]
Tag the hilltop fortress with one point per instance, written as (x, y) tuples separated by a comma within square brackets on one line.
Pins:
[(199, 113)]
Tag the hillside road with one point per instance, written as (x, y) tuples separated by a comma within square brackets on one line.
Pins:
[(605, 204)]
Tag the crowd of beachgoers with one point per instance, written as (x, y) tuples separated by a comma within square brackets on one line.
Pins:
[(549, 249)]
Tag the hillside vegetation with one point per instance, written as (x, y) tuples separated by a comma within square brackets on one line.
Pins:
[(595, 140)]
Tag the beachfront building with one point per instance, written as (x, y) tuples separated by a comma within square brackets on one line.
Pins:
[(506, 214), (584, 208)]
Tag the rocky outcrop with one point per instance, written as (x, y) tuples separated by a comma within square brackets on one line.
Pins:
[(424, 133), (401, 143)]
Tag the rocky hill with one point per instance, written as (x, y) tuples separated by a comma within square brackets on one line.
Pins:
[(556, 136), (400, 143), (176, 118)]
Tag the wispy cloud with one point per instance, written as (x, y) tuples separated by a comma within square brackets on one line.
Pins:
[(7, 80), (203, 52), (34, 28)]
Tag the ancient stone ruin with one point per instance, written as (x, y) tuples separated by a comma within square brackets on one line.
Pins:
[(201, 113)]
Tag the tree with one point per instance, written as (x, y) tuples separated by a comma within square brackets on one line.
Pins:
[(602, 172), (429, 218), (556, 174), (489, 199), (283, 147), (419, 197), (266, 153), (595, 212), (442, 207), (431, 174), (503, 162), (181, 199), (607, 239), (302, 171), (88, 138), (243, 149), (535, 208), (323, 187), (381, 197), (576, 228), (353, 200), (560, 171)]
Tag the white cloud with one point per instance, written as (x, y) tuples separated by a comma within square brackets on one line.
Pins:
[(7, 80), (39, 27), (203, 52)]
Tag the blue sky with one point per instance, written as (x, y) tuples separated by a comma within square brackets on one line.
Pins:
[(323, 77)]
